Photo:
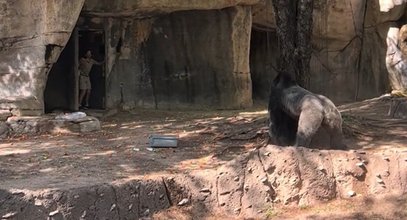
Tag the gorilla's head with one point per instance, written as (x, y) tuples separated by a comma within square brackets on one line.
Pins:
[(284, 80)]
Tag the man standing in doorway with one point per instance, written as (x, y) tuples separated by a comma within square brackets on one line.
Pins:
[(85, 66)]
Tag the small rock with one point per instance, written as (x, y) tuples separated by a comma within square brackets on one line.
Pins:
[(362, 152), (147, 212), (378, 175), (237, 210), (249, 170), (83, 214), (76, 196), (246, 188), (9, 215), (37, 202), (113, 207), (136, 149), (223, 204), (249, 207), (386, 158), (380, 181), (130, 206), (53, 213), (150, 149), (351, 193), (183, 202), (205, 190), (361, 164), (264, 180), (267, 154), (321, 168), (101, 195), (161, 196), (236, 179)]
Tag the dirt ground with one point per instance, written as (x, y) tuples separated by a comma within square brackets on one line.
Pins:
[(207, 140)]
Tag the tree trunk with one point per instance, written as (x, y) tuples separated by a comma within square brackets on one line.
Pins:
[(294, 30)]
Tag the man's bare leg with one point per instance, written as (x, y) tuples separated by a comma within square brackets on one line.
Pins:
[(87, 96), (81, 96)]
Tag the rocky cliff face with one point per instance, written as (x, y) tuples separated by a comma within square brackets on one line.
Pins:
[(158, 57), (32, 35)]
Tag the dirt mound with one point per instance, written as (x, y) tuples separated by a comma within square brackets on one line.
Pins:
[(274, 175), (248, 186)]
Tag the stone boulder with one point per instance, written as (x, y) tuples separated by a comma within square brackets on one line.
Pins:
[(50, 124)]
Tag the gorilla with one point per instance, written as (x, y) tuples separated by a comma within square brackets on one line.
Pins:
[(296, 114)]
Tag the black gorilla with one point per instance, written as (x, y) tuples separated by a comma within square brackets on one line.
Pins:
[(296, 114)]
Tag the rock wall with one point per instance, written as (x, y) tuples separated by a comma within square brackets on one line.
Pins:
[(32, 35), (158, 57), (188, 59), (201, 60)]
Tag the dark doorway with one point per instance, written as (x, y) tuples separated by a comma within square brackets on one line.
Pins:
[(94, 40), (263, 62), (59, 92)]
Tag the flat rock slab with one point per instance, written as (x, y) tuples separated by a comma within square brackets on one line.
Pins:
[(48, 124)]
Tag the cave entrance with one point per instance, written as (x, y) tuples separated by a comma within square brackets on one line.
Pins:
[(59, 94), (263, 62), (62, 89), (94, 40)]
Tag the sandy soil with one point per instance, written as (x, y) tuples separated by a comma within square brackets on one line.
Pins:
[(207, 140)]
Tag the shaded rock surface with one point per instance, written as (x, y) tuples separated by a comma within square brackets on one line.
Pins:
[(398, 108), (4, 130), (147, 7)]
